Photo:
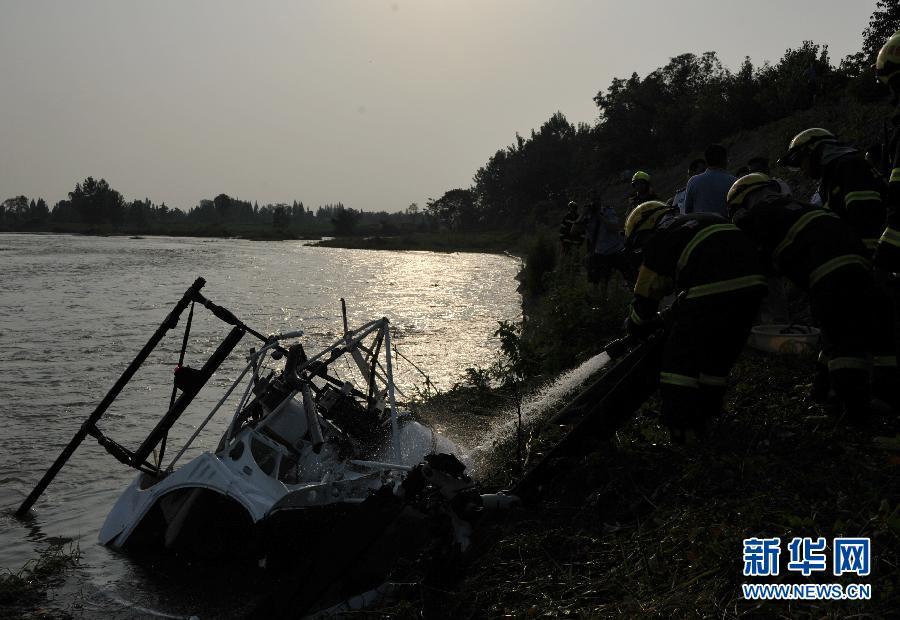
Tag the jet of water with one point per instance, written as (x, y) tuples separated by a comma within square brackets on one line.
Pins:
[(534, 407)]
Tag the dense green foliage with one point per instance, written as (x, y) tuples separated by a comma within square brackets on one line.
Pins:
[(679, 108)]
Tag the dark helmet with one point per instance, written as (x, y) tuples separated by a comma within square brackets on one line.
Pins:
[(888, 62), (803, 143), (643, 219)]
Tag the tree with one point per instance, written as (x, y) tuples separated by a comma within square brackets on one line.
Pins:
[(743, 97), (14, 212), (223, 204), (38, 213), (547, 158), (95, 202), (627, 117), (281, 217), (344, 221), (491, 185), (63, 212), (792, 83), (884, 22), (137, 213), (455, 209)]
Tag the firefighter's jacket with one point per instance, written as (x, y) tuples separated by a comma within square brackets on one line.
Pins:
[(699, 255), (853, 190), (887, 256), (801, 241)]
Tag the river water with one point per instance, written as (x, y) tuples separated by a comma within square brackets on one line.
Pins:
[(75, 310)]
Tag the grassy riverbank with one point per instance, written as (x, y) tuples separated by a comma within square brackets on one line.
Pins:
[(645, 528)]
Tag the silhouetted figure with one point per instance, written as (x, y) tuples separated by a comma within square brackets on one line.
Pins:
[(821, 255), (848, 185), (569, 238), (717, 272), (696, 167), (641, 189), (705, 193), (605, 246), (887, 255)]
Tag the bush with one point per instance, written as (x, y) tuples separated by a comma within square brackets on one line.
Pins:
[(540, 260), (571, 320)]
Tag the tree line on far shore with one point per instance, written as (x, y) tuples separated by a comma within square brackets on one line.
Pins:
[(643, 122), (95, 207)]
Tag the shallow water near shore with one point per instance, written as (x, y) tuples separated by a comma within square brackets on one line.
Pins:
[(75, 310)]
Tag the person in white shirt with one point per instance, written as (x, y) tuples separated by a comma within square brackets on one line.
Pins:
[(696, 167), (706, 192)]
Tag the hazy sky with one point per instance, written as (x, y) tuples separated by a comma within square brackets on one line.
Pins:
[(375, 103)]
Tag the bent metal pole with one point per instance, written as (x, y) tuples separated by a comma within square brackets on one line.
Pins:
[(170, 322), (395, 427)]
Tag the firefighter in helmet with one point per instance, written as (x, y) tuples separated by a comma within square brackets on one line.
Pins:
[(887, 69), (640, 183), (848, 185), (717, 273), (887, 254), (820, 254)]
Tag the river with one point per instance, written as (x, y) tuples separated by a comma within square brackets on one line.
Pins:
[(74, 310)]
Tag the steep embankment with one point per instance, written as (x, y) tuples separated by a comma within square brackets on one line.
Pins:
[(856, 123)]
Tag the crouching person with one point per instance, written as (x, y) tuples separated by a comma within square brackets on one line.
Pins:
[(821, 254), (717, 273)]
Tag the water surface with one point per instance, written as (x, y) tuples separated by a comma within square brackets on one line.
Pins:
[(75, 310)]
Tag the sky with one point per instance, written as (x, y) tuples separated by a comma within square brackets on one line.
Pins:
[(373, 103)]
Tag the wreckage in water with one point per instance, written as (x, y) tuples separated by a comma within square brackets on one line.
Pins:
[(304, 452)]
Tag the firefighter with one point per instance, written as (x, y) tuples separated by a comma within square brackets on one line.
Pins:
[(717, 273), (887, 69), (820, 254), (887, 254), (848, 184), (569, 237), (643, 192), (850, 187)]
